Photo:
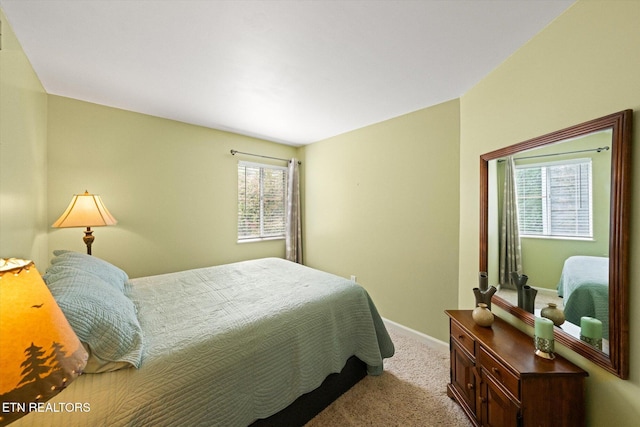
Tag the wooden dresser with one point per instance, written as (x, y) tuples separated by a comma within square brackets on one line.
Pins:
[(500, 382)]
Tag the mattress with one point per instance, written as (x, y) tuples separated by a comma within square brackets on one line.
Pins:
[(226, 345)]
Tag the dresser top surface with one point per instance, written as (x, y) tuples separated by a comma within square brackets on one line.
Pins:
[(513, 347)]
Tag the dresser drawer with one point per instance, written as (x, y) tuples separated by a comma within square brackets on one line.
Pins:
[(461, 336), (499, 372)]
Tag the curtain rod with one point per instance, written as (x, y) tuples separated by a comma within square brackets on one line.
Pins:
[(234, 152), (599, 149)]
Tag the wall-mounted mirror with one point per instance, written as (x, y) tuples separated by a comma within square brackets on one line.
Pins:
[(572, 200)]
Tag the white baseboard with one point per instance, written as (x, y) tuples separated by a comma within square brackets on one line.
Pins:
[(434, 343), (549, 292)]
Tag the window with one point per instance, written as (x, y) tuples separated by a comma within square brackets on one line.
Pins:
[(554, 199), (261, 201)]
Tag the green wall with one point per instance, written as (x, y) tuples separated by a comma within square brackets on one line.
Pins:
[(395, 203), (23, 154), (381, 203), (171, 186), (582, 66)]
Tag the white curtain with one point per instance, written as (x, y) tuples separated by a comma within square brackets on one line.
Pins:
[(510, 250), (293, 235)]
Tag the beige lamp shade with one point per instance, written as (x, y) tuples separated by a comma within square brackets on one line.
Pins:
[(40, 353), (85, 210)]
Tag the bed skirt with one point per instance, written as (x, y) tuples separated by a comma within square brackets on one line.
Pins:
[(307, 406)]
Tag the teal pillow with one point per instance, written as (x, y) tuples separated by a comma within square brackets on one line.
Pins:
[(101, 315), (111, 274)]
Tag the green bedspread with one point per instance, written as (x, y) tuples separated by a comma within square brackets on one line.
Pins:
[(230, 344)]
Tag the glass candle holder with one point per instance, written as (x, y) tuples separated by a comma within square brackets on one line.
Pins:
[(593, 342), (544, 347)]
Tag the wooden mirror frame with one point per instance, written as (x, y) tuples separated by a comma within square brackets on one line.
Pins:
[(617, 361)]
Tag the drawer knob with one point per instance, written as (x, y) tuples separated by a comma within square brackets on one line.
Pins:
[(460, 337), (470, 386), (495, 371)]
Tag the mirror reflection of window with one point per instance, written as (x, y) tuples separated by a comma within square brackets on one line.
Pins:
[(554, 199)]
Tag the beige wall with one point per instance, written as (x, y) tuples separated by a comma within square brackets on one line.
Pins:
[(381, 203), (584, 65), (23, 154), (171, 186)]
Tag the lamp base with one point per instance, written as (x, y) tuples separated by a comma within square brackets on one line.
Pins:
[(88, 239)]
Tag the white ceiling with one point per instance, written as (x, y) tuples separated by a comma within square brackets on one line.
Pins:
[(287, 71)]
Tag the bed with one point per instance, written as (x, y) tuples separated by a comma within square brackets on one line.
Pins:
[(229, 345), (584, 286)]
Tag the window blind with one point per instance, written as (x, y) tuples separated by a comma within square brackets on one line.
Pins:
[(261, 200), (555, 199)]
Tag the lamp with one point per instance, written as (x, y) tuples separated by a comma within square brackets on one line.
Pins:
[(85, 210), (40, 353)]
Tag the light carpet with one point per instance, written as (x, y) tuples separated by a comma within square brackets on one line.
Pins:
[(412, 391)]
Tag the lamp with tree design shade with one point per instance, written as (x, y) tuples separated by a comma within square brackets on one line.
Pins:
[(40, 353), (85, 210)]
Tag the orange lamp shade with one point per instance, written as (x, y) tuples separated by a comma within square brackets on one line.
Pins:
[(40, 353)]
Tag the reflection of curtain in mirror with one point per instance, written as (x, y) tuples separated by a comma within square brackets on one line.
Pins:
[(510, 252), (293, 234)]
